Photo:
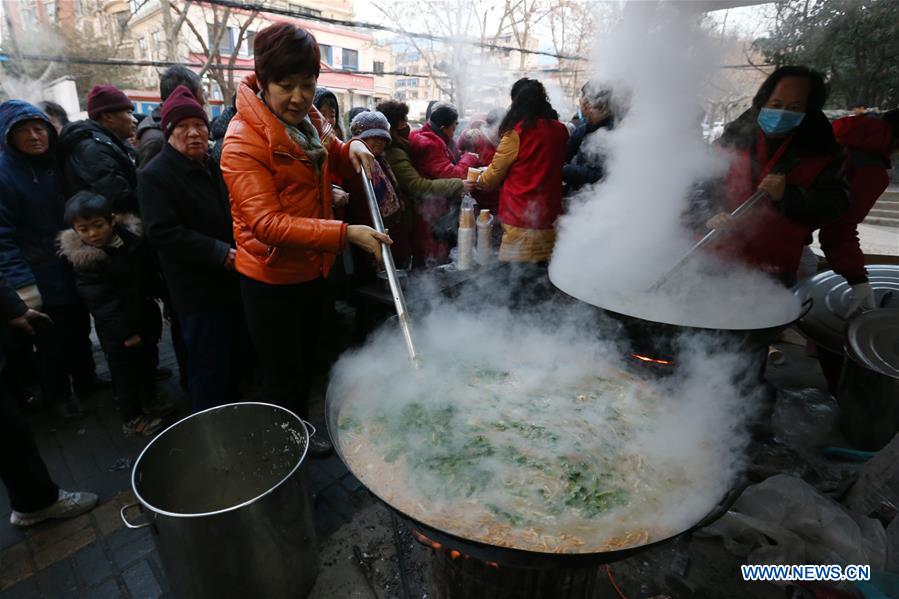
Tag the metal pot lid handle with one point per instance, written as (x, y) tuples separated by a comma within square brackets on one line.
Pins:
[(807, 306), (310, 425), (127, 522), (872, 340)]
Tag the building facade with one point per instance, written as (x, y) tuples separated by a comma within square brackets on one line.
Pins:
[(352, 62), (354, 65)]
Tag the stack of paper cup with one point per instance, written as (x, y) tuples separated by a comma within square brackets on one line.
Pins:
[(465, 239), (485, 232)]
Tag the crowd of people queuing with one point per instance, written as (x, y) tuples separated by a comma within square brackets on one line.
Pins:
[(238, 226)]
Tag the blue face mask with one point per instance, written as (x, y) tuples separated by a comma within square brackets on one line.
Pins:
[(778, 122)]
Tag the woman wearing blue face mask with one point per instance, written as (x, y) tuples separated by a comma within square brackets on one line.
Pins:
[(783, 145)]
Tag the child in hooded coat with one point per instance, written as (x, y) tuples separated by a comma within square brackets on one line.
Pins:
[(118, 279)]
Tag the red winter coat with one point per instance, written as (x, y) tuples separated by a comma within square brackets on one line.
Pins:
[(869, 142), (771, 236), (528, 163), (433, 158)]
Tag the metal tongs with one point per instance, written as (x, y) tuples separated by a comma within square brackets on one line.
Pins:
[(708, 239), (399, 302)]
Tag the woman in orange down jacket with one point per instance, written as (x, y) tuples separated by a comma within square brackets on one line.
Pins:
[(277, 158)]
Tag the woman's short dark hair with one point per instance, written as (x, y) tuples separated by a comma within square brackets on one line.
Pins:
[(529, 103), (431, 104), (443, 115), (177, 75), (85, 205), (394, 110), (817, 90), (52, 109), (283, 49)]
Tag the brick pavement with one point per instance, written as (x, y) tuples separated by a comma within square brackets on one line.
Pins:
[(94, 555)]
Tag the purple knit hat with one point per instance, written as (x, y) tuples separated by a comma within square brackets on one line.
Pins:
[(106, 98), (180, 104)]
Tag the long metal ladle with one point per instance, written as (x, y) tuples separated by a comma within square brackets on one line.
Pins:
[(399, 301), (707, 239)]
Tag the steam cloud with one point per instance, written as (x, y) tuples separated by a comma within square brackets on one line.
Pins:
[(622, 234), (676, 455), (617, 238)]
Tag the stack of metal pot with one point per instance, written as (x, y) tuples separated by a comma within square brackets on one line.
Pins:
[(868, 387)]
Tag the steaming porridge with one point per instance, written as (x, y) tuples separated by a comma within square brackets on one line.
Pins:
[(543, 463)]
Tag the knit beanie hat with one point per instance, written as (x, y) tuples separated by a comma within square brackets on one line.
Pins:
[(370, 124), (106, 98), (180, 105), (443, 115)]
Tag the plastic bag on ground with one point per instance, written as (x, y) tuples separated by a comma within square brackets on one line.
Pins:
[(784, 520)]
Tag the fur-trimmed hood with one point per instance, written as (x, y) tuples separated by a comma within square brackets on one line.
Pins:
[(82, 255)]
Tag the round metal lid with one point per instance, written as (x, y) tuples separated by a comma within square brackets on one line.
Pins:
[(825, 323), (873, 341)]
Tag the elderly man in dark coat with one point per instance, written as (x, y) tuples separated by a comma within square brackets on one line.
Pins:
[(187, 218), (96, 152)]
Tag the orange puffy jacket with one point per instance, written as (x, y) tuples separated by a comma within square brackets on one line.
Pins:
[(284, 226)]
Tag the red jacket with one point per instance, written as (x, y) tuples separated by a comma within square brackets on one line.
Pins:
[(869, 142), (771, 236), (531, 196), (283, 222), (766, 237), (433, 159)]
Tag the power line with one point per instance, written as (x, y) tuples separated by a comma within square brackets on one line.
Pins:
[(237, 67), (374, 26), (167, 63)]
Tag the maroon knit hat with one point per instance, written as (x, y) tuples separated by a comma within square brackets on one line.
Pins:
[(180, 105), (106, 98)]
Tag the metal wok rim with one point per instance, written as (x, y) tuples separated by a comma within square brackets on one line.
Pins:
[(774, 326), (513, 556), (232, 508)]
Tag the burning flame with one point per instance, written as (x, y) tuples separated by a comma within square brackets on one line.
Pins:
[(426, 541), (652, 360), (454, 555)]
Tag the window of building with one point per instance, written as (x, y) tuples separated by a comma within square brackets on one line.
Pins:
[(50, 7), (156, 45), (228, 41), (246, 48), (141, 47), (350, 60), (135, 5), (28, 12), (79, 10), (303, 10), (378, 67), (327, 53)]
